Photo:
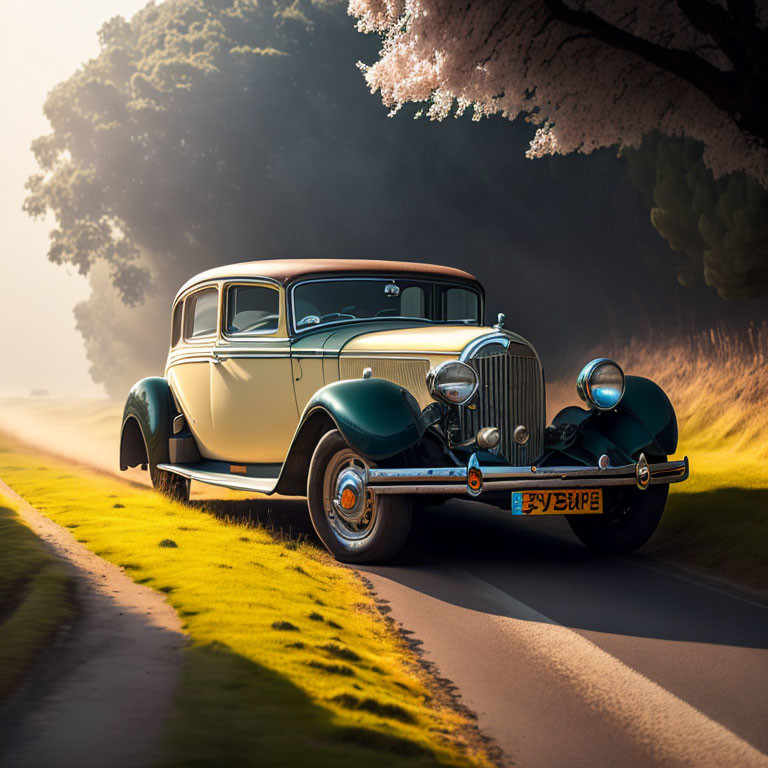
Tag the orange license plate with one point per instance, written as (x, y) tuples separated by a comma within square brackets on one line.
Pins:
[(587, 501)]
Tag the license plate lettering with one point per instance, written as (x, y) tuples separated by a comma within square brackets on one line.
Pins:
[(560, 502)]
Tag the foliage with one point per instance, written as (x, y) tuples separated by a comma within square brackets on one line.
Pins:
[(590, 74), (718, 226), (35, 597), (251, 693), (150, 117), (206, 133)]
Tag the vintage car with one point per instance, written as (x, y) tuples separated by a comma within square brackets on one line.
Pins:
[(374, 387)]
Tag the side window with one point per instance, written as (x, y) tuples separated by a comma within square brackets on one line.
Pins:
[(202, 310), (461, 304), (252, 309), (176, 324)]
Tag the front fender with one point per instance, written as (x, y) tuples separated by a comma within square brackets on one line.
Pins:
[(378, 418), (643, 422), (151, 405)]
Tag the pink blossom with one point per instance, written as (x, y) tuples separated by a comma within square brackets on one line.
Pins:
[(582, 88)]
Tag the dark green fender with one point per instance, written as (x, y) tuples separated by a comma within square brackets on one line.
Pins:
[(149, 406), (644, 421), (378, 418)]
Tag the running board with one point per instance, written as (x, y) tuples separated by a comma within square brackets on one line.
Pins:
[(235, 482)]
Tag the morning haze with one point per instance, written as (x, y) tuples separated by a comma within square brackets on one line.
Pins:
[(40, 44)]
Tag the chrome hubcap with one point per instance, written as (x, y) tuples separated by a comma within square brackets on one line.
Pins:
[(348, 504), (349, 498)]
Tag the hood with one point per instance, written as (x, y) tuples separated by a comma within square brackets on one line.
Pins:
[(388, 337), (436, 339), (432, 341)]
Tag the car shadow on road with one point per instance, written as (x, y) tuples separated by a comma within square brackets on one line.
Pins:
[(540, 563)]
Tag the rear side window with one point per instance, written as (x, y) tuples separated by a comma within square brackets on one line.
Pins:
[(176, 324), (201, 314), (252, 309)]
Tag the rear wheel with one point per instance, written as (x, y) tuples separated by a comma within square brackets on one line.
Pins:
[(354, 524), (629, 519), (169, 484)]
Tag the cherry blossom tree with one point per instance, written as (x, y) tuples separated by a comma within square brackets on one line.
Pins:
[(587, 73)]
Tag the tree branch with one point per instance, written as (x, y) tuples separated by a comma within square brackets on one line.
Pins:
[(720, 87), (721, 26)]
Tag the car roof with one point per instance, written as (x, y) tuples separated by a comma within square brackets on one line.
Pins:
[(286, 270)]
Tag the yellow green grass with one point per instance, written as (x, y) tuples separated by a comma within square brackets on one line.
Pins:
[(35, 597), (289, 660), (717, 521)]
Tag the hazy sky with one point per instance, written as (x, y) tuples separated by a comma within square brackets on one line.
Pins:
[(41, 43)]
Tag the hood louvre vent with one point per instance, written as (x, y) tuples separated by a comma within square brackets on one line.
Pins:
[(409, 374)]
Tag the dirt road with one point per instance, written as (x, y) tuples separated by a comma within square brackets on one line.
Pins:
[(103, 692)]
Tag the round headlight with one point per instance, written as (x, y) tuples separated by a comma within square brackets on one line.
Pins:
[(601, 384), (453, 382)]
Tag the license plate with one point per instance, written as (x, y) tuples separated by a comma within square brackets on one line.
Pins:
[(587, 501)]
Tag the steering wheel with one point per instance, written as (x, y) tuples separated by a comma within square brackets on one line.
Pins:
[(390, 312), (337, 316)]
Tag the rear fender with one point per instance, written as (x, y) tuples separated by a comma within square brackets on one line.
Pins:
[(150, 408), (644, 422)]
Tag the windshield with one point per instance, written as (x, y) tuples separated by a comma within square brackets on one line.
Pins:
[(317, 302)]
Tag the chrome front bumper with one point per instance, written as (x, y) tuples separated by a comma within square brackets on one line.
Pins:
[(454, 480)]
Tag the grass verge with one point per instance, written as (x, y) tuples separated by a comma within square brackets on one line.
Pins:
[(35, 597), (289, 660), (717, 521)]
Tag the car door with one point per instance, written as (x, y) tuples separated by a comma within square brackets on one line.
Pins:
[(254, 410), (189, 365)]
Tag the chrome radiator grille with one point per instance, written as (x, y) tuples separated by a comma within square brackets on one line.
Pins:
[(510, 393)]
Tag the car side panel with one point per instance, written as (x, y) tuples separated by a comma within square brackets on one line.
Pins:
[(254, 409), (190, 381), (307, 378)]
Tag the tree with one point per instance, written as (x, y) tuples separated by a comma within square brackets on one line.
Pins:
[(719, 227), (588, 73), (207, 132)]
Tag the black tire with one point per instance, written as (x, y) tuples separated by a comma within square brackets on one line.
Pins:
[(173, 486), (386, 520), (629, 519)]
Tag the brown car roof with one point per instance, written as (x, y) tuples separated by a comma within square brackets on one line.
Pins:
[(285, 270)]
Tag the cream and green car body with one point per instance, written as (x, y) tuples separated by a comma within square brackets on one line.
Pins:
[(360, 414)]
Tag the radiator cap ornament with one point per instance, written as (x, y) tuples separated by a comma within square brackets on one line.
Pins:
[(521, 434)]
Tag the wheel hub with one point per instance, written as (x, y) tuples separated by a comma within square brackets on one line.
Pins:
[(350, 494)]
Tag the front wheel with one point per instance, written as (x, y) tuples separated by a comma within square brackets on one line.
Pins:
[(629, 519), (355, 525)]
